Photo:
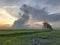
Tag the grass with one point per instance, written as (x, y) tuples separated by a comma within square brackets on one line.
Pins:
[(29, 37)]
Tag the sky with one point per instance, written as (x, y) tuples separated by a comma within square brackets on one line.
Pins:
[(13, 14)]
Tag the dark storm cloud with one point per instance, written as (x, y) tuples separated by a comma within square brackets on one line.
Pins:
[(20, 23), (37, 14), (37, 10), (41, 14)]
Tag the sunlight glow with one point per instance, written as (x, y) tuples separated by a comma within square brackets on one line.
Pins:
[(35, 24), (6, 18)]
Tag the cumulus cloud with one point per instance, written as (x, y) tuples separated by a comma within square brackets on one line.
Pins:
[(41, 14), (37, 9), (37, 16), (19, 24)]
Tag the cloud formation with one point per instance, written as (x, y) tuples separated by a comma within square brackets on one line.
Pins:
[(10, 2), (39, 10), (54, 2), (51, 6), (37, 16), (19, 24), (41, 14)]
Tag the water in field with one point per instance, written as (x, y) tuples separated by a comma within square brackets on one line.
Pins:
[(45, 40), (42, 38)]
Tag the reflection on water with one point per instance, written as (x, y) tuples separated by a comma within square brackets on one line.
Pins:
[(35, 41)]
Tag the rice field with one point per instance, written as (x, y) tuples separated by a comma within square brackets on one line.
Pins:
[(29, 37)]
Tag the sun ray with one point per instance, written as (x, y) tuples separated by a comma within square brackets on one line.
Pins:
[(6, 18)]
